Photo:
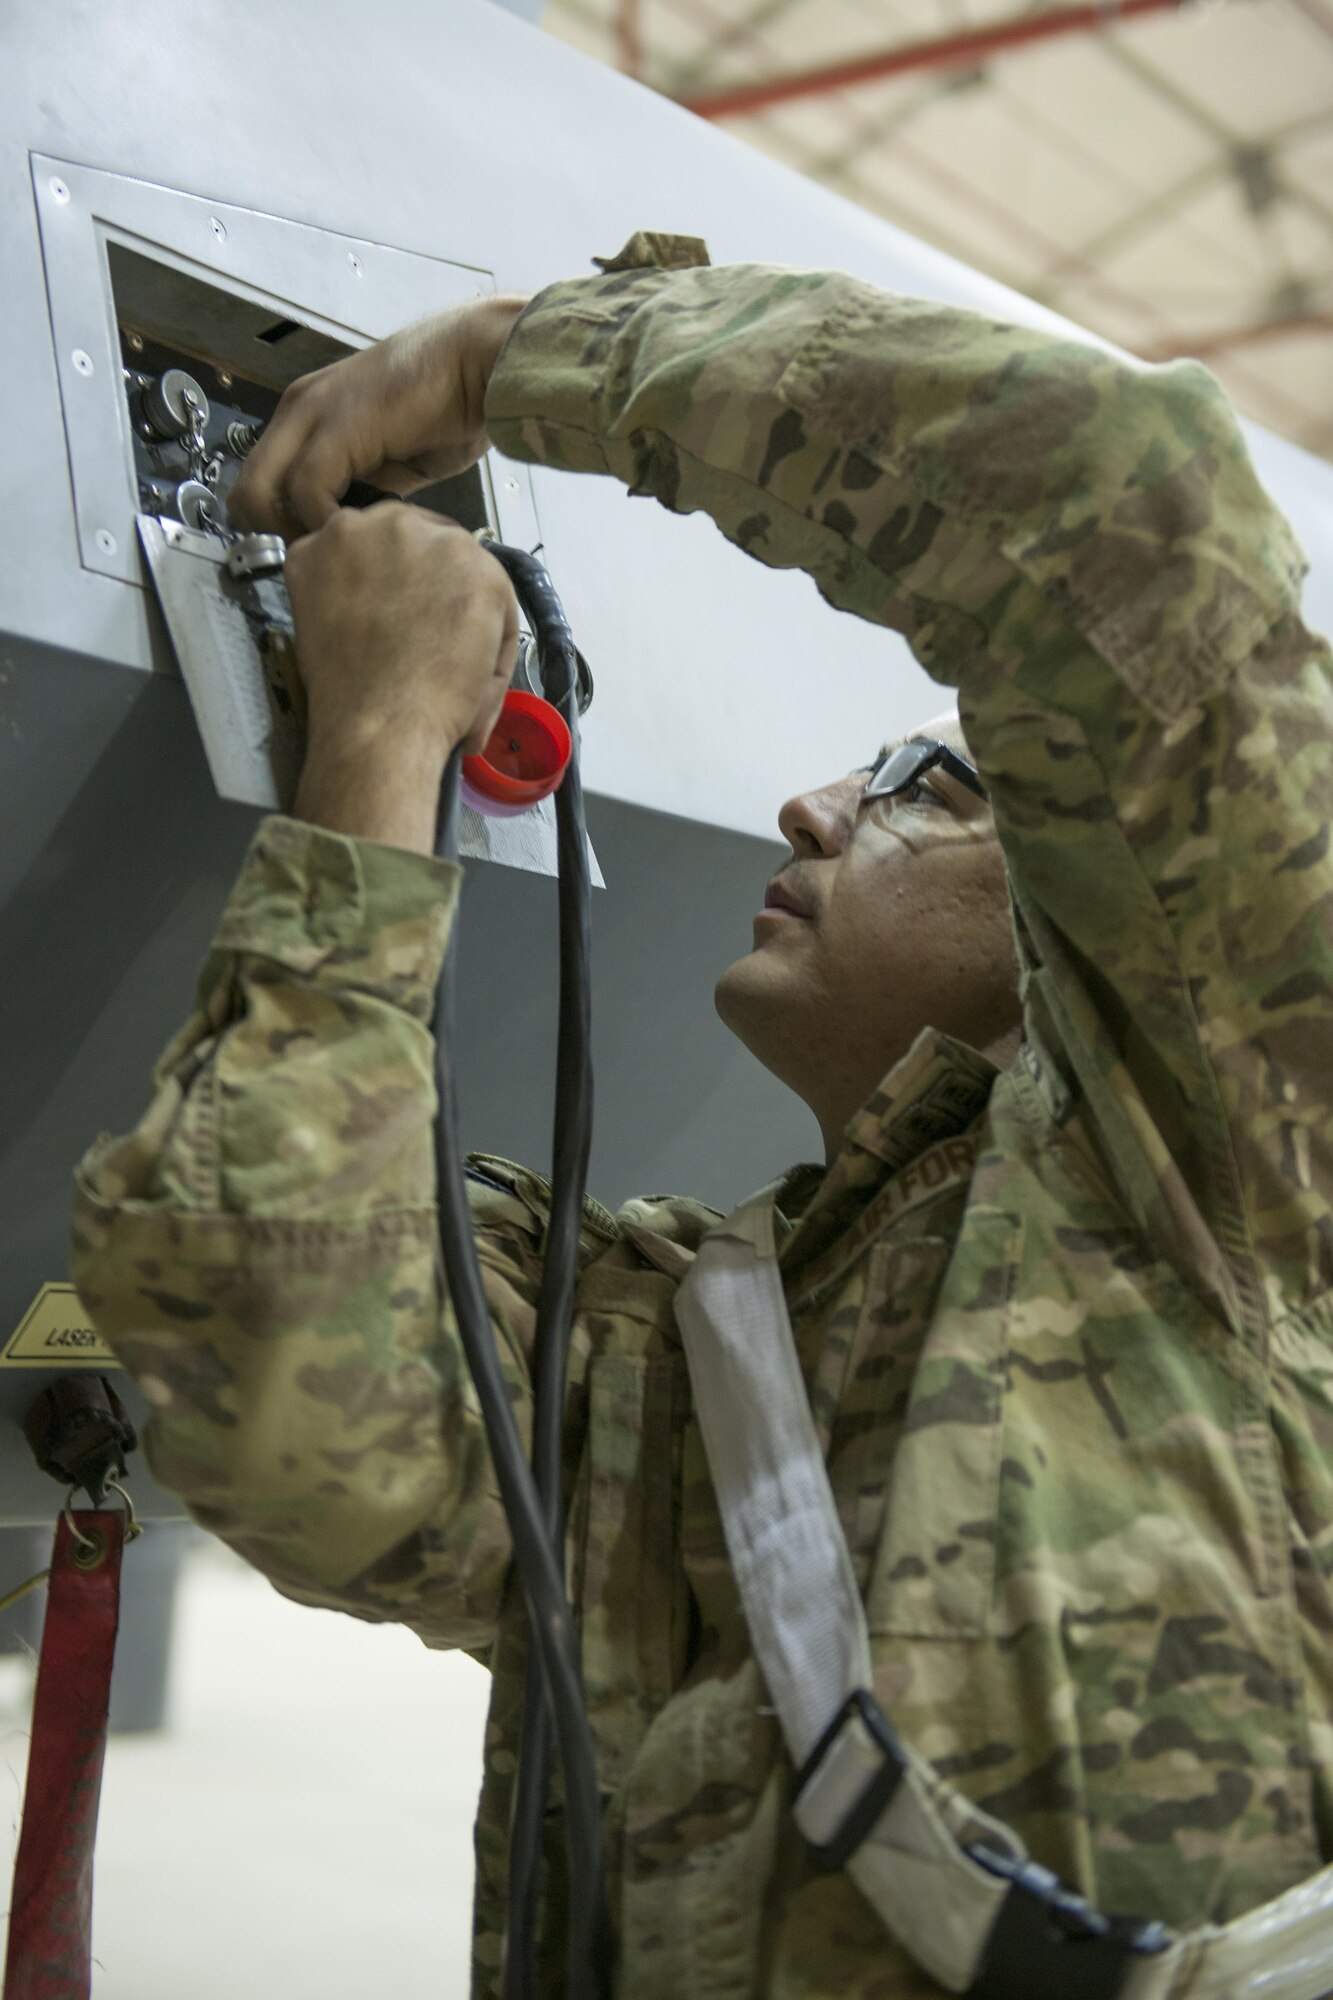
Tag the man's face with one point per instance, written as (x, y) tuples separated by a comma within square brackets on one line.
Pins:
[(892, 915)]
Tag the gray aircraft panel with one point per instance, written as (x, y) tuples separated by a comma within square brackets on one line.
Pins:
[(332, 168)]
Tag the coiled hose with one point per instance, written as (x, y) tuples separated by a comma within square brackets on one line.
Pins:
[(553, 1698)]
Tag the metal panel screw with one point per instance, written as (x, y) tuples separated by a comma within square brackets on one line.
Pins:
[(224, 379), (58, 190), (106, 542), (83, 362), (511, 486), (219, 229), (355, 262), (134, 341)]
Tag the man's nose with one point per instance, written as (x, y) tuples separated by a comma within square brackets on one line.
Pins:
[(819, 823)]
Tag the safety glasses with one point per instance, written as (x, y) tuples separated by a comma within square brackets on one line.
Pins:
[(895, 771)]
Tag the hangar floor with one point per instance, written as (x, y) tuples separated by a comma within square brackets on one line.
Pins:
[(302, 1828)]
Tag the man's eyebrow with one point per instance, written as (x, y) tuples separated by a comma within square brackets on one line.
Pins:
[(884, 750)]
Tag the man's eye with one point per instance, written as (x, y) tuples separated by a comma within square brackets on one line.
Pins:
[(918, 793)]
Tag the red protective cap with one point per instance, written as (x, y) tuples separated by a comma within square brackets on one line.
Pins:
[(526, 756)]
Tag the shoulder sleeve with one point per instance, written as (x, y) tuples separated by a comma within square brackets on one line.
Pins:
[(1081, 547)]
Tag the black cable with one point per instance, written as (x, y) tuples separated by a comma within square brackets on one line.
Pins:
[(533, 1498), (572, 1141)]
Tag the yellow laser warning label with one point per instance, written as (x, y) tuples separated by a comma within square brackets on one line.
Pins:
[(55, 1332)]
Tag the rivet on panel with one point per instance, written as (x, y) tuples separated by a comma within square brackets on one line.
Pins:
[(58, 189), (106, 542), (218, 228), (83, 361)]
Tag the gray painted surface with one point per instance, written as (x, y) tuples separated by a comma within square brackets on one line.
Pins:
[(431, 139), (440, 137), (117, 857)]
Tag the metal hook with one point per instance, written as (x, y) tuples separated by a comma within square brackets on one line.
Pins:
[(133, 1525), (86, 1543), (91, 1548)]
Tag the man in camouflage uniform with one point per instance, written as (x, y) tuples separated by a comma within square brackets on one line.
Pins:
[(1064, 1310)]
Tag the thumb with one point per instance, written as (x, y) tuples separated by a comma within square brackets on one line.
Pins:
[(487, 717)]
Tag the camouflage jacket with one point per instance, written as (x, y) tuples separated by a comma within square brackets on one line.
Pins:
[(1067, 1329)]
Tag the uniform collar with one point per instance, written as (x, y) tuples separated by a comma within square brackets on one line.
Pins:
[(938, 1088)]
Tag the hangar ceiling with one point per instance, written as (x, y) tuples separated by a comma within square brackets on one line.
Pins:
[(1162, 173)]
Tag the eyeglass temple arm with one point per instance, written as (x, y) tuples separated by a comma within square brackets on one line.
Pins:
[(964, 773)]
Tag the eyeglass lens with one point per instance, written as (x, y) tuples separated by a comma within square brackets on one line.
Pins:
[(900, 767)]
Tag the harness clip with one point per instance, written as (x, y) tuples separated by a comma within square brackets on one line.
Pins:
[(1048, 1941), (846, 1782)]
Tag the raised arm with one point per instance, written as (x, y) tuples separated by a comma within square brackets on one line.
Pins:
[(1077, 544), (1081, 547)]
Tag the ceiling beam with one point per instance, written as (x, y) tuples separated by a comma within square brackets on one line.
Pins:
[(691, 76), (1291, 415), (629, 38), (938, 52), (1229, 338), (1173, 93), (1166, 204), (1316, 11)]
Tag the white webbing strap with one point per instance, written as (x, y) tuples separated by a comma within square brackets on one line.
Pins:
[(808, 1628)]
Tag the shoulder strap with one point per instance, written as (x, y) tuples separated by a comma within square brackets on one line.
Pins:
[(953, 1886)]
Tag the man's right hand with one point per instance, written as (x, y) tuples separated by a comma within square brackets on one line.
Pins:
[(400, 414), (406, 631)]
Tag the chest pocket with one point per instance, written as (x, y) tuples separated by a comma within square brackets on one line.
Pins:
[(631, 1587), (932, 1574)]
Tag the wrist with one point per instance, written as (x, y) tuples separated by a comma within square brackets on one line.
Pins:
[(409, 740), (493, 323), (376, 780)]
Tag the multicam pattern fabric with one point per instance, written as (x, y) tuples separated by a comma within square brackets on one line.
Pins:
[(1067, 1329), (654, 248)]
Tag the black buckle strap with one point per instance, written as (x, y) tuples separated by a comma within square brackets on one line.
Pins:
[(859, 1705), (1049, 1943)]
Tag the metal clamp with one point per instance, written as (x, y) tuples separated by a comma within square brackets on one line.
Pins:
[(866, 1809), (1048, 1942), (253, 556), (528, 672)]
